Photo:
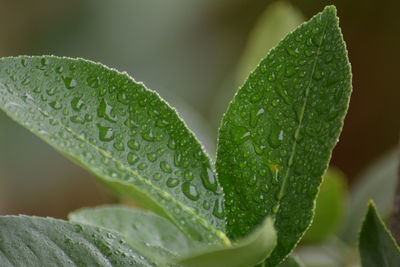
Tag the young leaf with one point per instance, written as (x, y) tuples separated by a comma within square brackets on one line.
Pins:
[(376, 244), (121, 131), (247, 252), (153, 236), (35, 241), (277, 136)]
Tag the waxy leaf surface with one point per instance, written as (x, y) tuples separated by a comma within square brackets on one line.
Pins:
[(121, 131), (153, 236), (249, 251), (35, 241), (376, 245), (277, 136)]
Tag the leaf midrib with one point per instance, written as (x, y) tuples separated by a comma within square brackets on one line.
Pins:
[(185, 208), (293, 151)]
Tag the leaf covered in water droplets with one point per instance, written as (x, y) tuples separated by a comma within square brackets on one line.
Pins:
[(153, 236), (277, 136), (121, 131), (35, 241)]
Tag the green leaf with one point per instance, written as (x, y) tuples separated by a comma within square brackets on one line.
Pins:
[(330, 207), (277, 136), (247, 252), (35, 241), (153, 236), (376, 245), (119, 130), (377, 182)]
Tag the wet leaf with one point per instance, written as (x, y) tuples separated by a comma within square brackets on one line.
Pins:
[(249, 251), (119, 130), (153, 236), (35, 241), (277, 136)]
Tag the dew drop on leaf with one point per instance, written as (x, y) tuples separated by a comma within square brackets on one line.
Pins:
[(218, 210), (165, 167), (69, 82), (77, 103), (208, 179), (172, 182), (106, 134), (190, 191), (105, 111)]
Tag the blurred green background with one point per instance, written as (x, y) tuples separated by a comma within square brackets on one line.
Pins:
[(195, 54)]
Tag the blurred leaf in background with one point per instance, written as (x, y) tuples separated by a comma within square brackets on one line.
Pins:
[(377, 183), (278, 19), (330, 208)]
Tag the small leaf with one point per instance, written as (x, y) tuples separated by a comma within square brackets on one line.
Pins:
[(247, 252), (330, 207), (35, 241), (376, 244), (277, 136), (377, 182), (119, 130), (153, 236)]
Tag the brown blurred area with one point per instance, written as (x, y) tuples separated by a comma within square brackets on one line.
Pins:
[(186, 49)]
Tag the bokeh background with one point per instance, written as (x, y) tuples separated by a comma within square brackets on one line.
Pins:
[(195, 54)]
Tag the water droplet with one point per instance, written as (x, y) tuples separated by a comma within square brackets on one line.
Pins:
[(133, 144), (165, 167), (317, 74), (69, 82), (157, 177), (132, 158), (172, 182), (123, 98), (56, 105), (252, 180), (59, 69), (119, 146), (142, 166), (77, 103), (271, 77), (148, 135), (290, 71), (208, 179), (256, 97), (218, 210), (189, 175), (206, 205), (239, 134), (106, 111), (190, 191), (274, 138), (172, 143), (77, 119), (51, 91), (93, 81), (152, 156), (178, 159), (106, 134)]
